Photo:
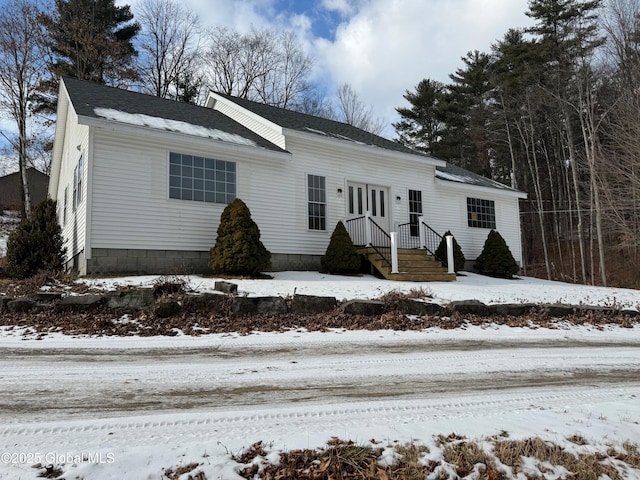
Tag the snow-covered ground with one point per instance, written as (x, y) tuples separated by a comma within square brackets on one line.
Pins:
[(469, 286), (115, 408)]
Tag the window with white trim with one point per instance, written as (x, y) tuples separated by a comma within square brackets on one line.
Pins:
[(481, 213), (201, 179), (64, 208), (77, 183), (415, 211), (317, 202)]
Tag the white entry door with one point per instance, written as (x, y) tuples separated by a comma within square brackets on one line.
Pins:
[(362, 197)]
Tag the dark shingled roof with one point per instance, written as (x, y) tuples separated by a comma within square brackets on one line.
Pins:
[(86, 96), (318, 125), (452, 173)]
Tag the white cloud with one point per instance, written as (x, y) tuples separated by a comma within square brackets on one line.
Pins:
[(387, 47), (381, 47)]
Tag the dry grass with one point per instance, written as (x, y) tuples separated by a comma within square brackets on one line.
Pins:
[(170, 474), (394, 298), (582, 467), (494, 458)]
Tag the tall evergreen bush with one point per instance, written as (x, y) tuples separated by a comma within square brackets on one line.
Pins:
[(458, 256), (496, 258), (341, 255), (37, 243), (238, 249)]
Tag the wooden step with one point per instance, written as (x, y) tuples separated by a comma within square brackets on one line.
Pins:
[(413, 266)]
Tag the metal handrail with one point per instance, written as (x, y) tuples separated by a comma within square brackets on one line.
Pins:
[(380, 241), (409, 235), (356, 227), (432, 241)]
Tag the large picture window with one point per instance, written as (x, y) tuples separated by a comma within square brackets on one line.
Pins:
[(481, 213), (317, 204), (201, 179)]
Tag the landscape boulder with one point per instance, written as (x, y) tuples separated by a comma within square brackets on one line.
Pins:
[(248, 305), (511, 309), (312, 304), (166, 308), (21, 305), (226, 287), (370, 308), (206, 302), (130, 300), (469, 307), (80, 303), (412, 306)]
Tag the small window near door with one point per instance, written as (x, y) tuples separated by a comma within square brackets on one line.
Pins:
[(415, 211), (317, 202)]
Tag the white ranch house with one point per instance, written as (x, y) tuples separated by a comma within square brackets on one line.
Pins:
[(141, 182)]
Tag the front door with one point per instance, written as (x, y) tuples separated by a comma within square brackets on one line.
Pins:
[(362, 197)]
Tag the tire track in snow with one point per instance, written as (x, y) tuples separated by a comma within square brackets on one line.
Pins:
[(200, 425)]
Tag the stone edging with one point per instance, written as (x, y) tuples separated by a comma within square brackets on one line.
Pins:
[(143, 299)]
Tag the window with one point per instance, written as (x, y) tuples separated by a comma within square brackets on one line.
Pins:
[(415, 210), (64, 208), (481, 213), (317, 202), (77, 184), (201, 179)]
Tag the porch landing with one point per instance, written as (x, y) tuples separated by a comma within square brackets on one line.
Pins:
[(413, 266)]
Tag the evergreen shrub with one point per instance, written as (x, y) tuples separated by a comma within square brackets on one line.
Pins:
[(238, 249), (458, 256), (496, 258), (37, 243), (341, 255)]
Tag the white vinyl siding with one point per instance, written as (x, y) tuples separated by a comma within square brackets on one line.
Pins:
[(73, 179), (449, 212)]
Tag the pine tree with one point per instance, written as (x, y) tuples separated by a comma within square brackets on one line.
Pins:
[(238, 249), (458, 257), (341, 255), (496, 259), (92, 40), (420, 126), (37, 243)]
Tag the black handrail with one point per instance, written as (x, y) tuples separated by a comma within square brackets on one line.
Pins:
[(408, 235), (381, 242), (432, 241), (356, 227)]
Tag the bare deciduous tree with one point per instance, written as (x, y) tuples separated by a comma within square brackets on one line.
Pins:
[(21, 67), (169, 45), (353, 111), (263, 66)]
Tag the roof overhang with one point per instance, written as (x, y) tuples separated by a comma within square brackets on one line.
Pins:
[(509, 193), (355, 146), (150, 132)]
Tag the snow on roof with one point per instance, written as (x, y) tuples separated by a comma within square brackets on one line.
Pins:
[(171, 125)]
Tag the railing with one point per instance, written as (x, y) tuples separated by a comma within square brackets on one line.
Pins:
[(431, 240), (380, 241), (357, 229), (365, 232), (409, 235)]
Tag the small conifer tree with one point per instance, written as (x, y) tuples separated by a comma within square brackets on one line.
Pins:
[(496, 258), (458, 256), (341, 255), (238, 249), (37, 243)]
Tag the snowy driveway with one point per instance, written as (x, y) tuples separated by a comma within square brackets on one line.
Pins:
[(164, 401)]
